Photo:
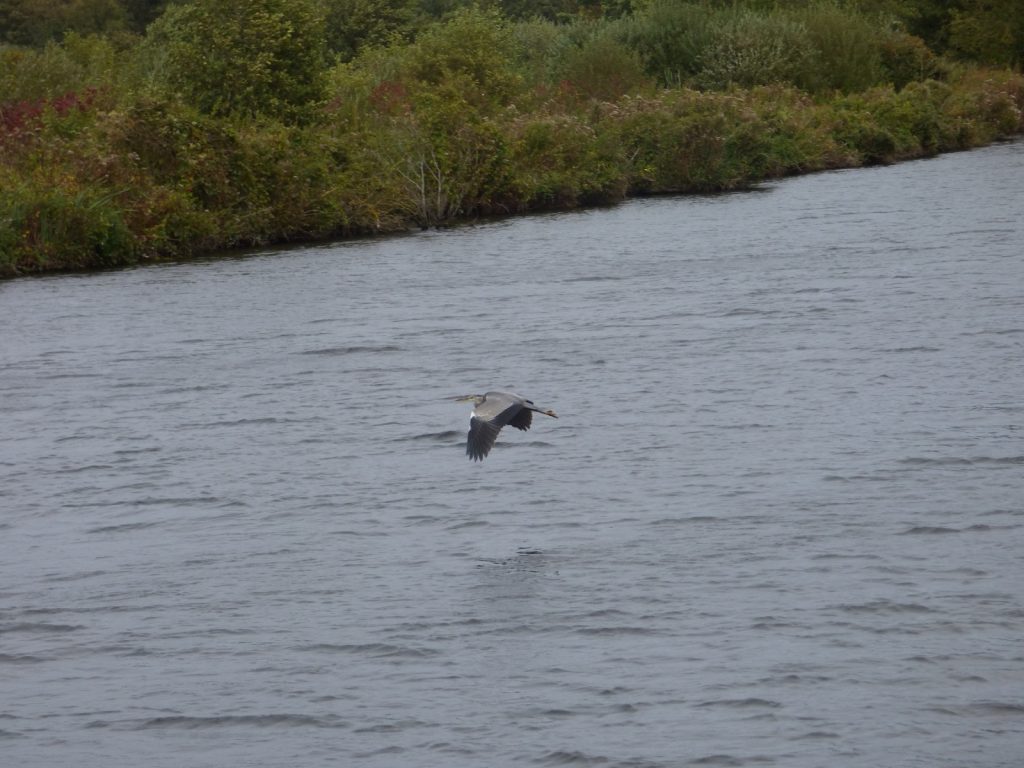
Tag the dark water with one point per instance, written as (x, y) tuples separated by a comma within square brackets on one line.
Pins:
[(780, 521)]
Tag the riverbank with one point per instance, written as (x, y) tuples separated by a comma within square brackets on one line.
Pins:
[(89, 180)]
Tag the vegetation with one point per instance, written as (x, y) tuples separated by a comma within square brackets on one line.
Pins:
[(133, 130)]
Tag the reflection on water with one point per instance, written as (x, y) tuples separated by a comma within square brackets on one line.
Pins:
[(779, 521)]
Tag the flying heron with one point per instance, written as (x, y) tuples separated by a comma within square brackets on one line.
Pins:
[(492, 412)]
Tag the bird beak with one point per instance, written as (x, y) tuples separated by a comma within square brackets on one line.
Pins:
[(551, 413)]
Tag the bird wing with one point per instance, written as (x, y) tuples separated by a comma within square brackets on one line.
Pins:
[(497, 406), (522, 420), (487, 420), (482, 435)]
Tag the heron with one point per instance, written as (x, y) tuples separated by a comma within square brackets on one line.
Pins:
[(492, 412)]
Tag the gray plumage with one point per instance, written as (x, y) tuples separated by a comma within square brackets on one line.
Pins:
[(492, 412)]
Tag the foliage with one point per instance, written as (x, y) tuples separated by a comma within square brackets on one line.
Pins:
[(260, 57), (45, 227), (561, 161), (988, 30), (818, 46), (473, 48), (227, 126), (448, 159), (350, 25), (986, 105), (748, 48), (538, 50), (906, 59), (36, 22), (603, 68), (671, 37), (847, 54), (80, 63)]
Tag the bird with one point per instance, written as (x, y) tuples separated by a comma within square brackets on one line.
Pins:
[(492, 412)]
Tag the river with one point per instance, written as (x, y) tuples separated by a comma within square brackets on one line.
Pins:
[(778, 522)]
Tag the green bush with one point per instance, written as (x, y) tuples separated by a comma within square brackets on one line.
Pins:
[(820, 46), (988, 31), (751, 49), (45, 227), (74, 66), (884, 126), (793, 138), (37, 23), (985, 105), (352, 24), (671, 38), (906, 59), (560, 161), (445, 157), (538, 47), (262, 57), (473, 48), (604, 69), (679, 143), (847, 52)]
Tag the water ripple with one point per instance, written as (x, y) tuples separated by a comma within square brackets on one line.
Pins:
[(779, 521)]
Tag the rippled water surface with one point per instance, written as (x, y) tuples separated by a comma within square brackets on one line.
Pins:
[(778, 522)]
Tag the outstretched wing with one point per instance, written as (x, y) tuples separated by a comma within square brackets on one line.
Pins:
[(482, 435), (488, 419), (522, 420)]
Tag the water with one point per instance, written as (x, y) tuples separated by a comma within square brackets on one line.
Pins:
[(779, 521)]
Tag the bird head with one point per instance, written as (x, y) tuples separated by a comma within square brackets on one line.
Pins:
[(546, 411)]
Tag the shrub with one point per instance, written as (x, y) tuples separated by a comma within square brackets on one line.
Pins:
[(537, 50), (884, 126), (793, 137), (76, 65), (36, 23), (906, 59), (473, 48), (847, 53), (560, 161), (677, 143), (446, 157), (989, 31), (671, 38), (353, 24), (61, 227), (750, 49), (986, 105), (604, 69), (856, 129), (261, 57)]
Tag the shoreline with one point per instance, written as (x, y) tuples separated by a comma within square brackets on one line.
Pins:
[(674, 142)]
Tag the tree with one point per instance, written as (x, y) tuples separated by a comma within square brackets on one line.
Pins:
[(352, 24), (141, 13), (991, 31), (244, 57), (35, 22)]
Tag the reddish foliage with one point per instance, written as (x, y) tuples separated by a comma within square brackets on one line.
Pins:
[(19, 116)]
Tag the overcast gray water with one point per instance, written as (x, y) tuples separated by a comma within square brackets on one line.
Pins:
[(779, 522)]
